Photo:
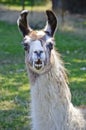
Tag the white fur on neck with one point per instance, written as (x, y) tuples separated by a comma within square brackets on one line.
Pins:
[(46, 103), (51, 102)]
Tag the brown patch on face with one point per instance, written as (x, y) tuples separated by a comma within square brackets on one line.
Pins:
[(36, 35), (33, 35)]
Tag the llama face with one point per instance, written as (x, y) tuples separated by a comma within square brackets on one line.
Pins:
[(38, 45), (38, 50)]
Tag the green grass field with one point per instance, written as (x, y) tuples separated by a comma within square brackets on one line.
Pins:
[(14, 86)]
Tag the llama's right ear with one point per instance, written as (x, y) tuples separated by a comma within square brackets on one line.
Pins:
[(51, 23), (22, 23)]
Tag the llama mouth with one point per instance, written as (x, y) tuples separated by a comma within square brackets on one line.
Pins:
[(38, 65)]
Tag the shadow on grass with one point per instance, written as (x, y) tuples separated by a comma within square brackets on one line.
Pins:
[(15, 111), (78, 91), (14, 120)]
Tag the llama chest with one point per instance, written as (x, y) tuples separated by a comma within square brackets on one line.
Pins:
[(46, 105)]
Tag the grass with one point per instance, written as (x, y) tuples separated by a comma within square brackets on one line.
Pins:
[(14, 87), (73, 50)]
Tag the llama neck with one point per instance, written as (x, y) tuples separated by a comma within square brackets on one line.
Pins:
[(55, 78), (50, 98)]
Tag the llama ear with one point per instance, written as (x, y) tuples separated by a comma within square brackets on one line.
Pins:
[(51, 23), (22, 23)]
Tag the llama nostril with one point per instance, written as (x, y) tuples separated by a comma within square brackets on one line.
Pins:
[(35, 52), (41, 52), (38, 53)]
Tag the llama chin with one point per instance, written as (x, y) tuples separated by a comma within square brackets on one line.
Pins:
[(51, 106)]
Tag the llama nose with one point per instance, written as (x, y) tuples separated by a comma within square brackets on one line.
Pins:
[(38, 53)]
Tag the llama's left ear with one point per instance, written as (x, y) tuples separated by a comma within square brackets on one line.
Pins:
[(22, 23), (51, 23)]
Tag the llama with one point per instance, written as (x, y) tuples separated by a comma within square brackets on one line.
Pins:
[(51, 107)]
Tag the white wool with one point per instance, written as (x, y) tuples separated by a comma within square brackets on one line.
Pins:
[(51, 101)]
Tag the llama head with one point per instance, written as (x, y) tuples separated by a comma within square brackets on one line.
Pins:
[(38, 45)]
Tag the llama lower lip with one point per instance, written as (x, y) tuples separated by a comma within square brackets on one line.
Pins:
[(38, 66)]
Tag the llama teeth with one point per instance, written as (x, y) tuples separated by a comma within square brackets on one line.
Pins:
[(38, 66)]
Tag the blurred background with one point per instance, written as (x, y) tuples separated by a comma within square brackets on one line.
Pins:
[(60, 7), (70, 42)]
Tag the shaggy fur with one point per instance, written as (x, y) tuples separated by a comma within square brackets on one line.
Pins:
[(51, 100)]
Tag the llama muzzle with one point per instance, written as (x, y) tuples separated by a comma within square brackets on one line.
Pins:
[(38, 64)]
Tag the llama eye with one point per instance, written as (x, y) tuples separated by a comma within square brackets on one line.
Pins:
[(26, 47), (50, 45)]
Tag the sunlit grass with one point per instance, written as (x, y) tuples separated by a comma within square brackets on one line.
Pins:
[(80, 79), (79, 60), (7, 105), (33, 8), (67, 28)]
